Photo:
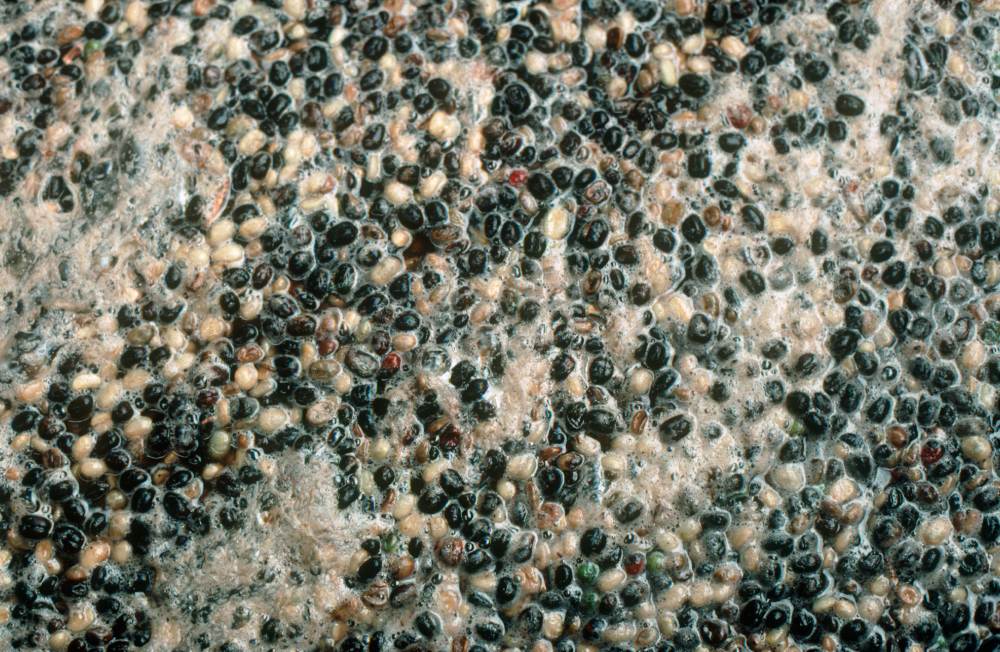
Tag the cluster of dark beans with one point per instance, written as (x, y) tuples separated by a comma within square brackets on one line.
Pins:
[(376, 328)]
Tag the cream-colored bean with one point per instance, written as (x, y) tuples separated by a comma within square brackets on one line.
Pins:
[(218, 444), (934, 531), (174, 338), (108, 395), (411, 525), (739, 536), (386, 269), (230, 254), (138, 427), (701, 594), (843, 490), (322, 412), (977, 448), (522, 467), (556, 223), (973, 355), (121, 552), (673, 598), (438, 527), (85, 381), (790, 477), (253, 227), (94, 554), (272, 418), (431, 185), (397, 193), (246, 376), (211, 329), (611, 580), (221, 231), (433, 470), (443, 126), (870, 608), (135, 380), (251, 306), (673, 306), (30, 392), (116, 499), (118, 525), (404, 506), (44, 550), (404, 342), (640, 381), (60, 640), (379, 450), (733, 46), (83, 446), (613, 465), (506, 489), (92, 468), (80, 617)]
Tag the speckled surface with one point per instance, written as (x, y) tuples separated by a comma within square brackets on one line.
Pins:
[(537, 326)]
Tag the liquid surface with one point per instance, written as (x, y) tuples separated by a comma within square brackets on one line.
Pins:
[(537, 326)]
